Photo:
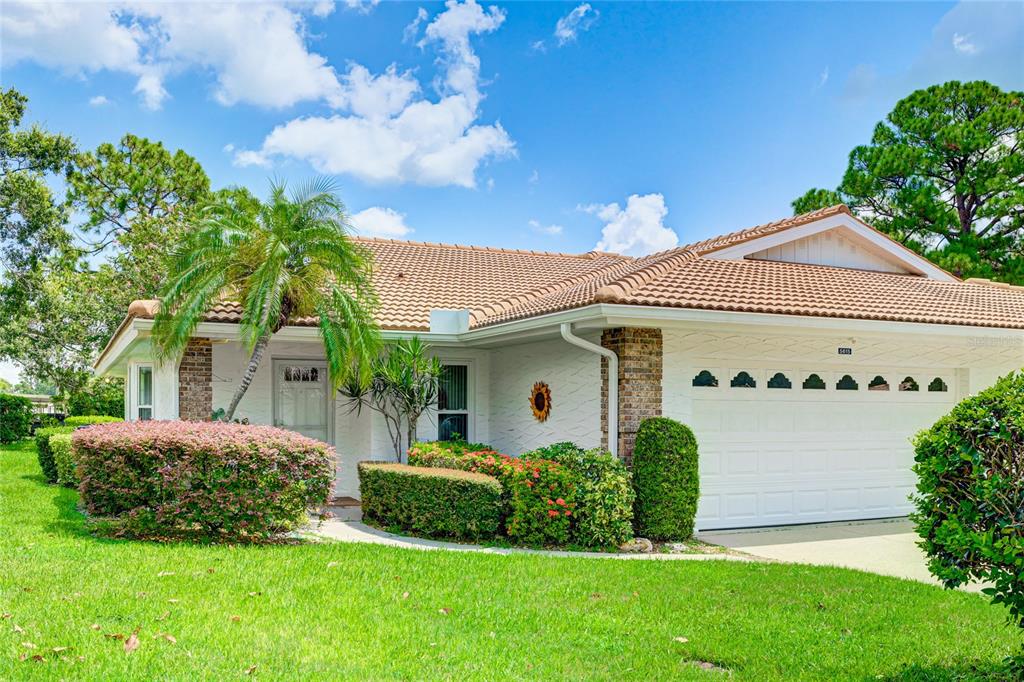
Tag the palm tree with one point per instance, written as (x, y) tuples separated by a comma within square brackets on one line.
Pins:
[(281, 259)]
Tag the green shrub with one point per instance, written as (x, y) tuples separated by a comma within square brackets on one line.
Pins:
[(666, 480), (43, 452), (441, 503), (604, 499), (86, 420), (970, 501), (60, 447), (97, 397), (15, 417)]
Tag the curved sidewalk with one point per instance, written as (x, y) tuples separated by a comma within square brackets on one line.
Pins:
[(356, 531)]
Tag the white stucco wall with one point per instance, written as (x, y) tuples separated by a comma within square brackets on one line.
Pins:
[(574, 377)]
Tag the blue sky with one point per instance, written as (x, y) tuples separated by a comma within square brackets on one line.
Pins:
[(550, 126)]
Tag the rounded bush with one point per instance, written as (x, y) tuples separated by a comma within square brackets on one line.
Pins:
[(201, 480), (63, 459), (15, 417), (86, 420), (666, 479), (444, 503), (43, 452), (970, 501)]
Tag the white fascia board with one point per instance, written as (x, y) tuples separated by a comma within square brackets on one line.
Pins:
[(112, 356), (879, 243)]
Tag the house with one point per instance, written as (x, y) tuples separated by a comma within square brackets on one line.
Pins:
[(804, 353)]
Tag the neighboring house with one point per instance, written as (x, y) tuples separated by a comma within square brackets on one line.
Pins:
[(804, 353)]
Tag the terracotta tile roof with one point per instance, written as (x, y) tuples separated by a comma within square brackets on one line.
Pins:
[(500, 285)]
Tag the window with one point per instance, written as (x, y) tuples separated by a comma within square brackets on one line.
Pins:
[(878, 384), (908, 384), (743, 380), (144, 393), (780, 381), (937, 386), (303, 374), (814, 383), (453, 403), (847, 383), (706, 379)]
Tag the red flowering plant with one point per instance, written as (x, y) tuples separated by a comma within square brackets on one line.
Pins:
[(207, 481)]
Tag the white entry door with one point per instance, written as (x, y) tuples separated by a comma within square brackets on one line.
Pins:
[(302, 397)]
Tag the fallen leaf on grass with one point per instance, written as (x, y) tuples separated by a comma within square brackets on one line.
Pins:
[(95, 626), (28, 645), (250, 670), (164, 615), (18, 628), (132, 643), (166, 635), (173, 601), (683, 640), (5, 616), (38, 658), (115, 635), (255, 594), (164, 574), (332, 564), (58, 649), (235, 619), (444, 612), (405, 595), (210, 570)]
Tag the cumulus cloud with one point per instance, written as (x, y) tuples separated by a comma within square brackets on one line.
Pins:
[(257, 51), (98, 101), (361, 6), (377, 221), (386, 131), (552, 230), (580, 19), (636, 230), (963, 44)]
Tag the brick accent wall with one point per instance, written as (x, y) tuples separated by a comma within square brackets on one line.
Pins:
[(640, 376), (195, 381)]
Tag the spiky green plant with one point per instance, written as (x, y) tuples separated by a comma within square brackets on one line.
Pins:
[(281, 259)]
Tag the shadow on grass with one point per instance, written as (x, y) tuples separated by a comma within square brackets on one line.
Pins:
[(993, 672), (68, 521)]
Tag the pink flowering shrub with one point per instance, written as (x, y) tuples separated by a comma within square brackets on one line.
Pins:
[(539, 496), (208, 480)]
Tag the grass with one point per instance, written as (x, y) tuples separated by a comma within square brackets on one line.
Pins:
[(370, 612)]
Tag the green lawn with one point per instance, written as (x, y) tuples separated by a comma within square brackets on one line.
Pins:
[(335, 611)]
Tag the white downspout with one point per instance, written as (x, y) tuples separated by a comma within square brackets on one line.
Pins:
[(613, 383)]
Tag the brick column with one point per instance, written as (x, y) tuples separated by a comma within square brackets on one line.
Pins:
[(640, 373), (195, 381)]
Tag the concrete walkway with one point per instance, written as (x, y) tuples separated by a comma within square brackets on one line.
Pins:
[(887, 547), (355, 531)]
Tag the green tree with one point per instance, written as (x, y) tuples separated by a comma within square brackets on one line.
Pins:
[(99, 396), (944, 174), (287, 257), (5, 386)]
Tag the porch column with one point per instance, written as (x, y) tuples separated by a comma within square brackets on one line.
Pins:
[(195, 381), (640, 374)]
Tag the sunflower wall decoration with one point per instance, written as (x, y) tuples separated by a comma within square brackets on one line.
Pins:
[(540, 401)]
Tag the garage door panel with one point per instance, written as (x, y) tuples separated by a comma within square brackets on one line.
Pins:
[(772, 457)]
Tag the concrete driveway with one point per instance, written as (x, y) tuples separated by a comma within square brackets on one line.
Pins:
[(887, 547)]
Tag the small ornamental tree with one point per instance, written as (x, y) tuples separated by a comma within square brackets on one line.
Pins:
[(15, 417), (970, 501), (666, 480)]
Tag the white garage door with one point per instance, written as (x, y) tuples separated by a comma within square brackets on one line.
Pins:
[(789, 445)]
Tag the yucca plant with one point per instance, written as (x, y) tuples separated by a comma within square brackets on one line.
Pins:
[(281, 259)]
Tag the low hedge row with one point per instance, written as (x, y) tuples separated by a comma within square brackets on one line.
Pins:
[(201, 480), (87, 419), (63, 459), (444, 503), (43, 452)]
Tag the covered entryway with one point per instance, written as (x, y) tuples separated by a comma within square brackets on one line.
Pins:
[(791, 444)]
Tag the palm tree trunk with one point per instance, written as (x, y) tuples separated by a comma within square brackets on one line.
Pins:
[(250, 373)]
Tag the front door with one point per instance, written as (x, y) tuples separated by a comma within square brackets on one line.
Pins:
[(302, 397)]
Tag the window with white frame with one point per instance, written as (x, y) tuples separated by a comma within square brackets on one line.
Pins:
[(144, 392), (453, 403)]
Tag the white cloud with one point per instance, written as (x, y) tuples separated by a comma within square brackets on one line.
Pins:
[(380, 222), (823, 78), (534, 177), (963, 44), (257, 51), (637, 230), (247, 157), (552, 230), (413, 29), (580, 19), (390, 133), (98, 101), (324, 8)]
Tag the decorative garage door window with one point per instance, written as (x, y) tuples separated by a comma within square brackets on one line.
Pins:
[(307, 375), (847, 383), (814, 383), (937, 386), (780, 381), (743, 380), (453, 403), (878, 384), (705, 379), (908, 384)]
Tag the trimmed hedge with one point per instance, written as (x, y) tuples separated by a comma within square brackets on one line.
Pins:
[(666, 479), (441, 503), (87, 420), (201, 480), (44, 453), (63, 459), (970, 494), (15, 417)]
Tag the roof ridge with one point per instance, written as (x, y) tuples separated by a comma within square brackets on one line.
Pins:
[(497, 307), (613, 291), (590, 255), (719, 242)]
